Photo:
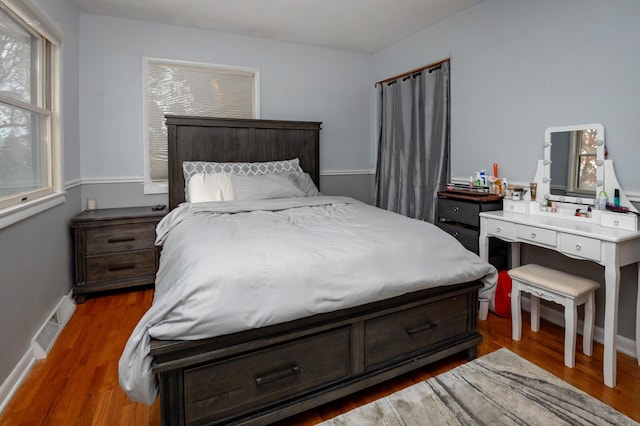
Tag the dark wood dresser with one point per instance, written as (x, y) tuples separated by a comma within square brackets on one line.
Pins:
[(114, 248), (458, 215)]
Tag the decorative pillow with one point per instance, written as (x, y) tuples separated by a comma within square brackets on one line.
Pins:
[(210, 187), (190, 168), (306, 184), (263, 187)]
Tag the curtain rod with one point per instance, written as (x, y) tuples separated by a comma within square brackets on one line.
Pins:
[(433, 65)]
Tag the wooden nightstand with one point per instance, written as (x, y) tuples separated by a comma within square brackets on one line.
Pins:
[(114, 248), (458, 215)]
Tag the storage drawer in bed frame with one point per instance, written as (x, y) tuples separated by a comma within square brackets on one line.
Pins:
[(263, 375)]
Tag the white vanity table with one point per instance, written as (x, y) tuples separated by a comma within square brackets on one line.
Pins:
[(609, 239)]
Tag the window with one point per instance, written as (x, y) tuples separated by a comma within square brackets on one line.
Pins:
[(586, 154), (187, 88), (29, 141)]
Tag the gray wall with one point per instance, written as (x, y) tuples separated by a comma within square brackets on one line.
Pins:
[(297, 83), (35, 254), (518, 67)]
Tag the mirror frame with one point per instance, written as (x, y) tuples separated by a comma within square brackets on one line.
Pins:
[(546, 181)]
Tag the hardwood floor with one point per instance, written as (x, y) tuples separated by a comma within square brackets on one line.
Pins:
[(78, 382)]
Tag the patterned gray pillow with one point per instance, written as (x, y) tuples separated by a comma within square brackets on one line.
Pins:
[(190, 168)]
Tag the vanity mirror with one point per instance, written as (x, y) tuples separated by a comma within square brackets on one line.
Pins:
[(573, 163)]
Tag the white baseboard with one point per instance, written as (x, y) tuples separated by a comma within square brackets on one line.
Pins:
[(41, 344), (17, 376), (625, 345)]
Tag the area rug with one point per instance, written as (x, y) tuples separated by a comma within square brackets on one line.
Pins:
[(500, 388)]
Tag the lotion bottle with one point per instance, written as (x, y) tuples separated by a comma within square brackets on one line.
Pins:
[(602, 200)]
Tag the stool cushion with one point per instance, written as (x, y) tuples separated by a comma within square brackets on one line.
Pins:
[(552, 279)]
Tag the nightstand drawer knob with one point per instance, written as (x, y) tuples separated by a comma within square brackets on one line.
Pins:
[(122, 239), (455, 209), (120, 267)]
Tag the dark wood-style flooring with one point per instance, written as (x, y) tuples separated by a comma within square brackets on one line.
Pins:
[(78, 382)]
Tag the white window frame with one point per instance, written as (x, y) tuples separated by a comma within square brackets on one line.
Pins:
[(22, 206), (151, 187)]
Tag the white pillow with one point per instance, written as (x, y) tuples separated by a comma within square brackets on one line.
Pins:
[(205, 187), (190, 168), (306, 184), (263, 187)]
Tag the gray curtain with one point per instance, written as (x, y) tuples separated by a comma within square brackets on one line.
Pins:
[(413, 142)]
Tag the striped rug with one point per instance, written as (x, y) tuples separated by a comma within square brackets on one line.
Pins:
[(500, 388)]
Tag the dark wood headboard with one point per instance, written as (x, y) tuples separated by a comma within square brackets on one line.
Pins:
[(238, 140)]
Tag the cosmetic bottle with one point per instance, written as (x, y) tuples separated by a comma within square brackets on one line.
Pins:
[(602, 200), (616, 197)]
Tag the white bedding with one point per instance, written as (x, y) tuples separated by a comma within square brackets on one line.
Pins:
[(232, 266)]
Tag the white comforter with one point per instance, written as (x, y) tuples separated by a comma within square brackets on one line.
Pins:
[(232, 266)]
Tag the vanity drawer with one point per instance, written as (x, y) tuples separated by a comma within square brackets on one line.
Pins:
[(234, 386), (459, 211), (501, 229), (575, 245), (627, 221), (515, 206), (537, 235)]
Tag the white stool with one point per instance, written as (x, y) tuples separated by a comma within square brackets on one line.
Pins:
[(565, 289)]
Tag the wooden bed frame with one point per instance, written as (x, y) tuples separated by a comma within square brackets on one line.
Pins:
[(263, 375)]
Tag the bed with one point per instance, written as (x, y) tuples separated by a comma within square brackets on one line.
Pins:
[(259, 366)]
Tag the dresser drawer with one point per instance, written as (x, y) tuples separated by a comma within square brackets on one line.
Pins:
[(537, 235), (261, 378), (467, 237), (501, 229), (110, 239), (405, 333), (576, 245), (120, 266), (459, 211)]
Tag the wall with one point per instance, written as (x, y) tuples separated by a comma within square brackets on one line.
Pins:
[(518, 67), (297, 83), (35, 254)]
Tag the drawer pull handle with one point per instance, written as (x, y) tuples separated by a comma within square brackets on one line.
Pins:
[(114, 267), (278, 375), (412, 331), (533, 235), (578, 247), (498, 229), (455, 209), (122, 239), (616, 222)]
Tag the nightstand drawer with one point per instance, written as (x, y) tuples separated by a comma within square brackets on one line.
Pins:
[(111, 239), (459, 211), (120, 266)]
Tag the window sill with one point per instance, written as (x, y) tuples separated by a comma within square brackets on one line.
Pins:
[(20, 212), (156, 188)]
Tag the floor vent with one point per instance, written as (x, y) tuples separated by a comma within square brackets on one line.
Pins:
[(51, 329)]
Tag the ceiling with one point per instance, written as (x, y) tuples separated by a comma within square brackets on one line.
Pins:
[(364, 26)]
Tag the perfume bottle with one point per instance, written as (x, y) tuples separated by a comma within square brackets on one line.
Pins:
[(616, 197)]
